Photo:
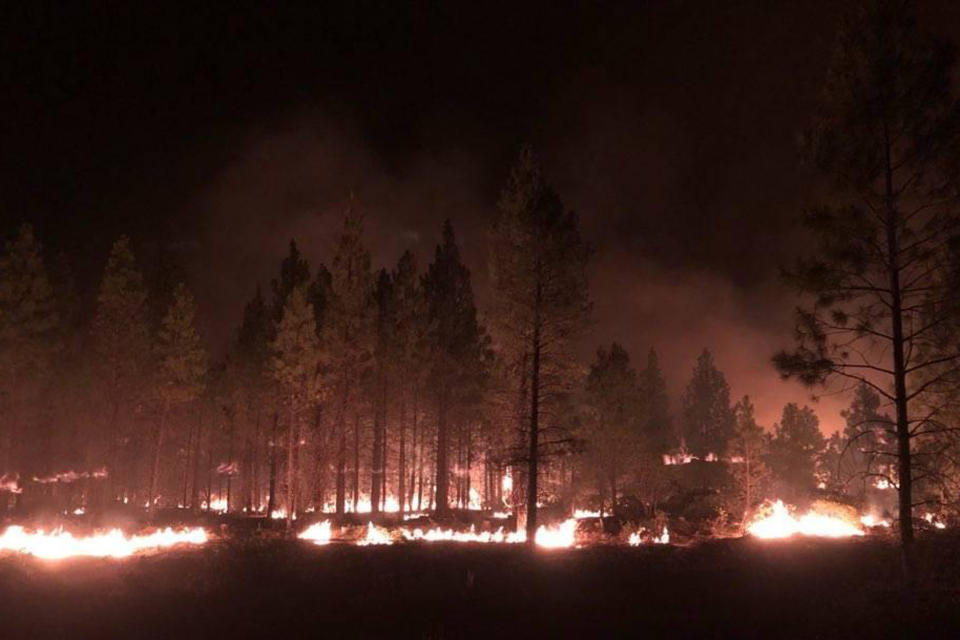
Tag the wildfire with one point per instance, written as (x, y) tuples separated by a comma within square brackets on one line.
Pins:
[(449, 535), (71, 476), (871, 521), (556, 537), (780, 524), (932, 519), (636, 538), (375, 535), (317, 533), (580, 514), (57, 545)]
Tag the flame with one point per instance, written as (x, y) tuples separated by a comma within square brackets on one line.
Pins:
[(580, 514), (932, 519), (112, 544), (780, 524), (218, 504), (556, 537), (317, 533), (71, 476), (636, 538), (375, 535), (871, 521), (449, 535)]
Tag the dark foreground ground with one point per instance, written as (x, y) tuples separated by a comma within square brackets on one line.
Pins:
[(287, 589)]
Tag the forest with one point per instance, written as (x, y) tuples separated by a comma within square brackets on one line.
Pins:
[(350, 387)]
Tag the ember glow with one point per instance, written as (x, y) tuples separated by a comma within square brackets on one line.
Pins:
[(58, 545), (781, 524)]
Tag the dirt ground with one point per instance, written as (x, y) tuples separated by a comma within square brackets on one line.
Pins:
[(289, 589)]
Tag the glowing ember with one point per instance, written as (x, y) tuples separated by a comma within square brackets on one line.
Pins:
[(318, 533), (780, 524), (112, 544), (375, 535), (559, 536)]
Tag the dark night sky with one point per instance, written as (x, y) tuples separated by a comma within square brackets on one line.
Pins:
[(212, 136)]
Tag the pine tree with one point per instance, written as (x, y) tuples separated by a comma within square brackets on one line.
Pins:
[(181, 364), (456, 344), (616, 438), (655, 407), (121, 342), (409, 311), (295, 365), (887, 135), (348, 335), (748, 451), (539, 273), (708, 421), (794, 449), (28, 337), (384, 353)]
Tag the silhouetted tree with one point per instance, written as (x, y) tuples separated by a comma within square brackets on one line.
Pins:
[(615, 435), (181, 363), (295, 365), (887, 134), (748, 450), (455, 341), (28, 339), (539, 263), (794, 448), (707, 420)]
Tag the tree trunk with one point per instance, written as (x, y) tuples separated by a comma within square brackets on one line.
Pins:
[(158, 447), (443, 478), (272, 488), (376, 470), (356, 461), (904, 470), (534, 452), (402, 456), (291, 444), (195, 484)]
